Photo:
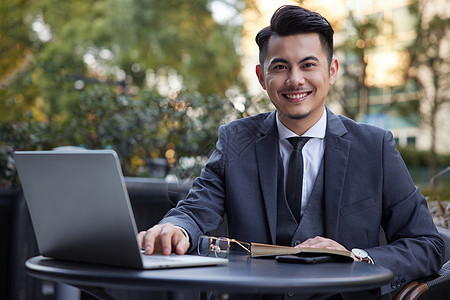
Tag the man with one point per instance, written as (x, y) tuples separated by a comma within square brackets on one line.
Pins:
[(354, 181)]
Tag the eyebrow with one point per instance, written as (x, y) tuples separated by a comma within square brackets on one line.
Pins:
[(284, 61)]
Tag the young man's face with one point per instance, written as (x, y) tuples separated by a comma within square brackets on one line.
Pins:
[(297, 77)]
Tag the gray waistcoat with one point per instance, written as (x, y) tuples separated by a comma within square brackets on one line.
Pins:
[(289, 232)]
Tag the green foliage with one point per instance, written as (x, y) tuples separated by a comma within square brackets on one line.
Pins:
[(421, 158), (92, 74), (14, 34), (29, 135), (110, 41), (146, 127), (186, 38), (418, 162), (442, 191), (139, 129)]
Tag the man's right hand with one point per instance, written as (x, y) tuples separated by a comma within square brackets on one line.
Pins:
[(163, 238)]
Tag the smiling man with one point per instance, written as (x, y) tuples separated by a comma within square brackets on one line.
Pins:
[(297, 81), (304, 177)]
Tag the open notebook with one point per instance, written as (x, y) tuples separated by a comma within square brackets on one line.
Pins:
[(80, 210)]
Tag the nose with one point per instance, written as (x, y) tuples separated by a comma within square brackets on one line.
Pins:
[(295, 78)]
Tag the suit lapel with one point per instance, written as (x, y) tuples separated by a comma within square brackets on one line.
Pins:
[(336, 157), (267, 160)]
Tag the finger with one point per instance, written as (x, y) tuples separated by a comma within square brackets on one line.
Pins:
[(321, 242), (141, 237), (309, 243), (324, 245), (181, 248), (181, 244), (150, 238), (166, 238), (330, 244)]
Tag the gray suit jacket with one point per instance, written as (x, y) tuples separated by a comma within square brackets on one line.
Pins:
[(367, 186)]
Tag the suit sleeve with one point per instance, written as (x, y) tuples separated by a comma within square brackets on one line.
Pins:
[(414, 248), (203, 208)]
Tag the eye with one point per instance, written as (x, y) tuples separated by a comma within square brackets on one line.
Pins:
[(309, 65), (279, 67)]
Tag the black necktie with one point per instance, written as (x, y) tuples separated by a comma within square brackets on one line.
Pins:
[(294, 179)]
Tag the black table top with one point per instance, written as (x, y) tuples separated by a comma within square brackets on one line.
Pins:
[(242, 274)]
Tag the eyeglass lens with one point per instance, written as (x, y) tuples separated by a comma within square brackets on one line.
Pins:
[(211, 245)]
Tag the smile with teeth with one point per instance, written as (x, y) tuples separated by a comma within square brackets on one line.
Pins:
[(297, 96)]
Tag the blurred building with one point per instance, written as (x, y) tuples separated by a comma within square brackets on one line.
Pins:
[(392, 101)]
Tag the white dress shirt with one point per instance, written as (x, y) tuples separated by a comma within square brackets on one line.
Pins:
[(312, 153)]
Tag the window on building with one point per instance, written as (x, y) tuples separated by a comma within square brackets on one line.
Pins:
[(411, 141)]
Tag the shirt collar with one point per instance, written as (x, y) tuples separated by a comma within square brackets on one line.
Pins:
[(316, 131)]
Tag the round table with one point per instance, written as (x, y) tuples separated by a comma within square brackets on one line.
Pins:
[(242, 274)]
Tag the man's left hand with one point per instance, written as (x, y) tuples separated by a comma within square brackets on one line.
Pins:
[(321, 242)]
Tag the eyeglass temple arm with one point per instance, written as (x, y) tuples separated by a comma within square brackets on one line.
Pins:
[(242, 246)]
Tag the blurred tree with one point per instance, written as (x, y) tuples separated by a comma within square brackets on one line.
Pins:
[(146, 78), (151, 126), (56, 33), (178, 35), (168, 45), (430, 65), (181, 128), (351, 91), (15, 43), (15, 58)]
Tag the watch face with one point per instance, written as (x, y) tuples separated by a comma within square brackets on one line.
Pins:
[(360, 253)]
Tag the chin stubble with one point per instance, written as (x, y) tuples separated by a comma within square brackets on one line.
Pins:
[(297, 117)]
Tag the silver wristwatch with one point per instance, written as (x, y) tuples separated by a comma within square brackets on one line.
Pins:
[(362, 255)]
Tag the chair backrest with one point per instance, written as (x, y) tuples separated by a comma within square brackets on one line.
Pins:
[(437, 288), (445, 234)]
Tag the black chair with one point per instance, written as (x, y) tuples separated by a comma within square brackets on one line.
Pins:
[(435, 288), (21, 245)]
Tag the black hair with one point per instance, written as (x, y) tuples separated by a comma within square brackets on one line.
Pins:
[(292, 19)]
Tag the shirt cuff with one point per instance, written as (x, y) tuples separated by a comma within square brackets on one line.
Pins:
[(184, 232)]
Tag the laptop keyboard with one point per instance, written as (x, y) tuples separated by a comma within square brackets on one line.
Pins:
[(158, 258)]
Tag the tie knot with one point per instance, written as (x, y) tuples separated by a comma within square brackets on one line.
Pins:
[(298, 142)]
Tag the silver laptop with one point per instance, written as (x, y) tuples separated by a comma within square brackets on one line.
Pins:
[(80, 210)]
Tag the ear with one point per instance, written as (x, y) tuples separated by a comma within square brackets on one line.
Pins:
[(334, 67), (260, 74)]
